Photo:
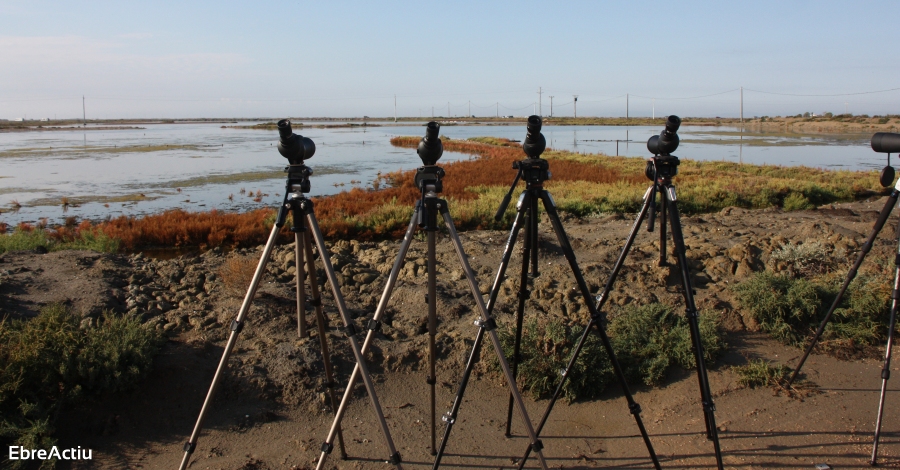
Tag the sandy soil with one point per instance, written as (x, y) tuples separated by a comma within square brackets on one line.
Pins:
[(271, 411)]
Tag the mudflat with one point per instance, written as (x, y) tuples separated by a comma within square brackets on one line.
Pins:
[(272, 410)]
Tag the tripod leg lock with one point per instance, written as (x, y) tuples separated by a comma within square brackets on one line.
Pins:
[(488, 324), (897, 259), (189, 447), (350, 330), (524, 294), (373, 325), (395, 458), (430, 380), (599, 318), (895, 294), (327, 447), (448, 418), (709, 406), (237, 326), (691, 313), (537, 446), (316, 302), (635, 408), (885, 373), (563, 372)]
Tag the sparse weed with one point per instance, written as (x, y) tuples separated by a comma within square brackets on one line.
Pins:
[(806, 259), (761, 373), (236, 274)]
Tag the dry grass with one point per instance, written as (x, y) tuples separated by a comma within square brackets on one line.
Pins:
[(236, 274)]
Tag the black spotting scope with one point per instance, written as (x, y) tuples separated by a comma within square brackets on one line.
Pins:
[(886, 142), (295, 148), (667, 141), (535, 143), (430, 148)]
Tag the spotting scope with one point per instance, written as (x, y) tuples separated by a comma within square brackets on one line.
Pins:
[(667, 140), (295, 148)]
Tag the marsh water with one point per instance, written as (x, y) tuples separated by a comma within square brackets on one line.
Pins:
[(95, 174)]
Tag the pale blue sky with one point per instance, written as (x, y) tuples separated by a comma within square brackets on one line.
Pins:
[(278, 58)]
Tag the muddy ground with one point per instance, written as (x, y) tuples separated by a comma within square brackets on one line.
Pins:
[(272, 411)]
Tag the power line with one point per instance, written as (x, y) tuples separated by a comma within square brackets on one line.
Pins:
[(836, 94)]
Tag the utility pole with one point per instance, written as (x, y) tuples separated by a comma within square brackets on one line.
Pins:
[(742, 108), (626, 105), (448, 109), (846, 109), (83, 114), (551, 106), (498, 109), (540, 102), (470, 109), (432, 112), (654, 108), (575, 97), (395, 108)]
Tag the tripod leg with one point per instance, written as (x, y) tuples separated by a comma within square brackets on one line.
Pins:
[(450, 416), (709, 407), (886, 368), (236, 325), (316, 300), (301, 295), (523, 294), (662, 233), (351, 335), (432, 330), (576, 351), (489, 325), (879, 224), (370, 335)]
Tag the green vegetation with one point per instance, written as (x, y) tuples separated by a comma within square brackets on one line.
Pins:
[(791, 308), (51, 240), (648, 341), (55, 360), (761, 373)]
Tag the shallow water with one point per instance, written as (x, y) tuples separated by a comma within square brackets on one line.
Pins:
[(198, 166)]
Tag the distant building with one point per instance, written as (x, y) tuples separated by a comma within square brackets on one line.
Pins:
[(19, 119)]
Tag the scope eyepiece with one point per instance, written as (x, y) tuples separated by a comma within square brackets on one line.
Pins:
[(535, 143), (667, 141), (430, 147), (886, 142), (295, 148)]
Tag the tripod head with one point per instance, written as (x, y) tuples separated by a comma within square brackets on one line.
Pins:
[(886, 142), (534, 169), (295, 148), (663, 164)]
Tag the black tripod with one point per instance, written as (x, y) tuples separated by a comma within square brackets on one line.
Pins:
[(883, 142), (535, 170), (660, 169), (296, 149), (425, 216)]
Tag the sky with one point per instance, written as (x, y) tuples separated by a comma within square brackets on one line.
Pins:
[(228, 59)]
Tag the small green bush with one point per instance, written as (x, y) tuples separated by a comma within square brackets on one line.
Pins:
[(40, 239), (796, 202), (761, 373), (648, 342), (790, 309), (50, 360), (806, 259)]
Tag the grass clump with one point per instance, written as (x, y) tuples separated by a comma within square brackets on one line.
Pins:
[(761, 373), (53, 360), (82, 237), (648, 341), (790, 309)]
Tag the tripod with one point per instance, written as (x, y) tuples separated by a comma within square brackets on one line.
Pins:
[(296, 149), (425, 216), (535, 170), (886, 368)]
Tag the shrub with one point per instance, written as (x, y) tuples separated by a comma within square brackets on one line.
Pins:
[(796, 202), (50, 360), (761, 373), (648, 342), (236, 274), (805, 259), (791, 309)]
